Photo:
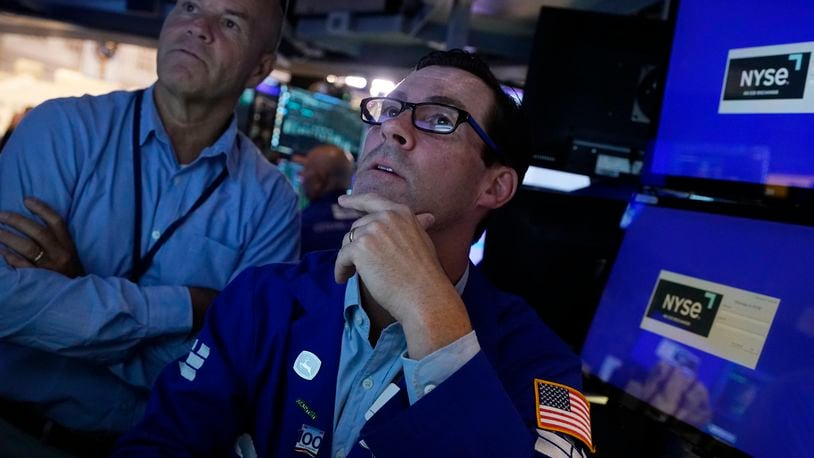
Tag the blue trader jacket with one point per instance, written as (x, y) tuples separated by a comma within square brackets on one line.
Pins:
[(240, 377), (325, 223)]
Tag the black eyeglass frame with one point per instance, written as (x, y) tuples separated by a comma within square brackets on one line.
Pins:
[(463, 117)]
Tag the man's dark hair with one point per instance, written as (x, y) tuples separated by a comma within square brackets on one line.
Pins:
[(504, 122)]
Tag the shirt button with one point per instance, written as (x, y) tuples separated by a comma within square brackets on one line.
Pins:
[(156, 235), (176, 181), (429, 388), (367, 383), (340, 454), (358, 321)]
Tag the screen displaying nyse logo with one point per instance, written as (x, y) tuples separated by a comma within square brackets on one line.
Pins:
[(779, 76), (686, 307)]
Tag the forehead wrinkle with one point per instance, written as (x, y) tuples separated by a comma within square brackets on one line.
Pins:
[(238, 13), (248, 11), (396, 94), (465, 90), (219, 8), (445, 99)]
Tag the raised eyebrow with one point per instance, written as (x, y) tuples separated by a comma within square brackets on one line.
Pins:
[(239, 14), (447, 101)]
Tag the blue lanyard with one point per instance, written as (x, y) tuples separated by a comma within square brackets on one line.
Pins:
[(141, 264)]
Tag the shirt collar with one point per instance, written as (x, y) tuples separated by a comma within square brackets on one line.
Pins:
[(352, 292), (226, 144)]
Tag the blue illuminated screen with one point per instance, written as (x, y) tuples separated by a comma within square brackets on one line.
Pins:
[(710, 319), (307, 119), (739, 96)]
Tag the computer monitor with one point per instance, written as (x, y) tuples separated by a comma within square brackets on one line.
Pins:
[(592, 91), (244, 110), (307, 119), (738, 106), (293, 172), (709, 319)]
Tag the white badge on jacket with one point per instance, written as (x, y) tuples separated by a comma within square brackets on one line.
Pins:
[(307, 365)]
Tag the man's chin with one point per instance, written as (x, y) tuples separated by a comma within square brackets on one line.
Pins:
[(181, 79), (383, 191)]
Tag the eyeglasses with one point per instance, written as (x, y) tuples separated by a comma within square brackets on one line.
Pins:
[(435, 118)]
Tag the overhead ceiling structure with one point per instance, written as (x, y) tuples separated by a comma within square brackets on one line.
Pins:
[(335, 36)]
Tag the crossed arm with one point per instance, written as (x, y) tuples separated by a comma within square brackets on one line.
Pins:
[(53, 304)]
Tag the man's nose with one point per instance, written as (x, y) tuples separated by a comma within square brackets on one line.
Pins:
[(201, 28), (400, 130)]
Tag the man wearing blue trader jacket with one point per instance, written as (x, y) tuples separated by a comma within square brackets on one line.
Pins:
[(425, 358)]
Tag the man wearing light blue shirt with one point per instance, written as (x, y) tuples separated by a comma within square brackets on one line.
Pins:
[(122, 215), (396, 346)]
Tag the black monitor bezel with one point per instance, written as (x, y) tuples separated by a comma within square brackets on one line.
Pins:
[(701, 442)]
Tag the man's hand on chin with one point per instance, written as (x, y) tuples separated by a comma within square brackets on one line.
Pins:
[(396, 260)]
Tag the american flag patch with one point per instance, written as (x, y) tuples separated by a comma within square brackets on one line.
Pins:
[(564, 409)]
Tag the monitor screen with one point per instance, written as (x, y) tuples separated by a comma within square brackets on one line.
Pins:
[(738, 104), (710, 320), (293, 172), (306, 119), (243, 110), (591, 90)]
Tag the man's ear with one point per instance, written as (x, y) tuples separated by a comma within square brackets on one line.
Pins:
[(262, 70), (501, 185)]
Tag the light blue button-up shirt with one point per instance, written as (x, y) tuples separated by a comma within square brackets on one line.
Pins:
[(88, 349), (364, 371)]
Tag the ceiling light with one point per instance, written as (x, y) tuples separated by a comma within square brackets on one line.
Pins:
[(356, 81), (379, 87)]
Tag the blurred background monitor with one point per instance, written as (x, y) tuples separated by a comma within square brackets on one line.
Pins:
[(305, 119), (708, 321), (256, 113), (592, 90), (292, 169), (244, 109)]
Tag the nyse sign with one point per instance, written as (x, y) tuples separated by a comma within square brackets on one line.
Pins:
[(782, 76), (690, 308), (719, 319), (768, 79)]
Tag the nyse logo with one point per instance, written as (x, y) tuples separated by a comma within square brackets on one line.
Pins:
[(766, 77), (780, 76), (689, 308)]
